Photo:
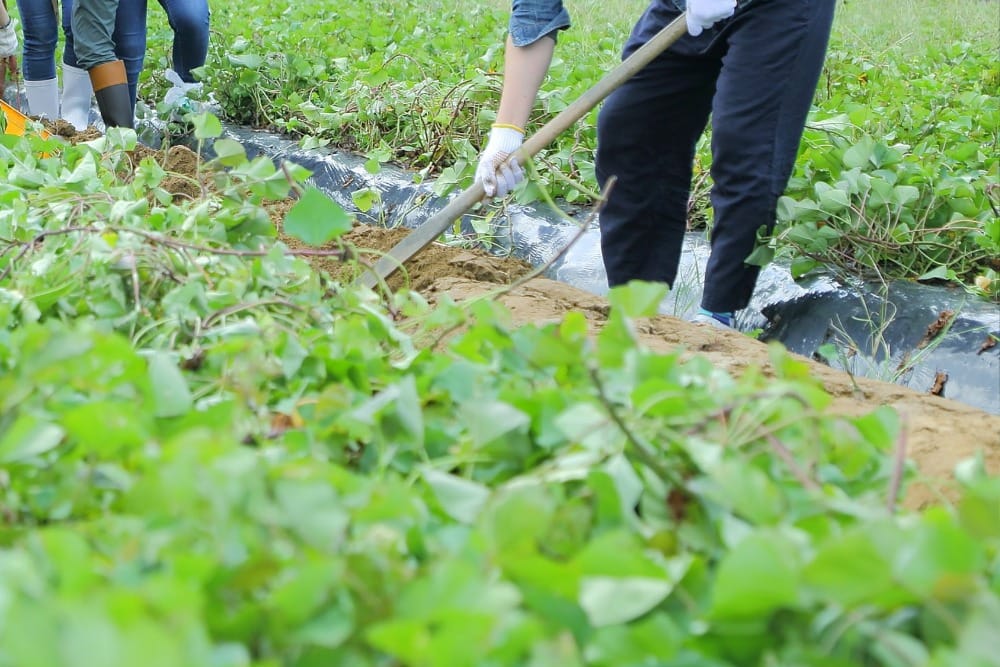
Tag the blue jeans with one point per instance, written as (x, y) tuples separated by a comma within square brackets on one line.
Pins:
[(755, 74), (109, 30), (40, 28), (189, 21)]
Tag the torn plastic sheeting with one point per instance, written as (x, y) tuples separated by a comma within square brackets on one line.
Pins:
[(532, 234), (891, 334), (803, 315)]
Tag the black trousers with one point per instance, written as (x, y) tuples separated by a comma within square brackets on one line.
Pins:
[(756, 75)]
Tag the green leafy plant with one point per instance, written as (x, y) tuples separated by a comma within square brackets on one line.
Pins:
[(211, 455), (897, 175)]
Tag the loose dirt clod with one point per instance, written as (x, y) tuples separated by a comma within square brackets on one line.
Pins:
[(66, 130), (940, 379), (942, 322), (181, 165), (421, 271)]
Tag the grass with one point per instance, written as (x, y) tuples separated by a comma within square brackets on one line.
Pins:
[(910, 27), (420, 88), (905, 27)]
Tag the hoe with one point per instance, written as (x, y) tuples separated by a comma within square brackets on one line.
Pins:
[(426, 233)]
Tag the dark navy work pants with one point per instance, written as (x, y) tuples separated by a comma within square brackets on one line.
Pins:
[(756, 74)]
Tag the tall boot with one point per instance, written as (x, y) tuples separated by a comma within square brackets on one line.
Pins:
[(76, 94), (111, 90), (43, 98)]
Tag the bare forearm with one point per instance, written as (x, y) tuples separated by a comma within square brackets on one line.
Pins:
[(524, 70)]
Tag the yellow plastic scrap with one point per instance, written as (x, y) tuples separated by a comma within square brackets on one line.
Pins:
[(16, 122)]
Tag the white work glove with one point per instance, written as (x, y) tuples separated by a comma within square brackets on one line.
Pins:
[(498, 178), (8, 40), (703, 14)]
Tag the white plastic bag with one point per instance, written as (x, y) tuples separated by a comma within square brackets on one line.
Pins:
[(177, 95)]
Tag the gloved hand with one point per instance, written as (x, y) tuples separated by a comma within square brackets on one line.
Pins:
[(8, 40), (498, 178), (703, 14)]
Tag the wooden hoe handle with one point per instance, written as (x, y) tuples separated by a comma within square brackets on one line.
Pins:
[(426, 233)]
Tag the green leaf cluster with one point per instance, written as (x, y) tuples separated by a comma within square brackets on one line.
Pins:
[(897, 175), (211, 455), (905, 188)]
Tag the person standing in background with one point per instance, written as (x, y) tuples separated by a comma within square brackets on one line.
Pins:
[(110, 42), (40, 25), (752, 65), (189, 19), (8, 34), (8, 46)]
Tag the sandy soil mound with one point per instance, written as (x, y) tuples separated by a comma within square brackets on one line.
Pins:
[(939, 432)]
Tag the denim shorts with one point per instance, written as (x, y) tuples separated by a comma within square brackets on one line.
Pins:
[(530, 20)]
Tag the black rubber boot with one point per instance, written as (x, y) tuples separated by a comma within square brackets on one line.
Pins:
[(111, 91)]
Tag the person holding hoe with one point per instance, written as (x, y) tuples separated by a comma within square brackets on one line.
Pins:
[(750, 65)]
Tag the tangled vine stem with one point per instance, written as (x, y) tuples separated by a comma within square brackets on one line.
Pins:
[(534, 273), (644, 451), (584, 226), (342, 254), (789, 460), (292, 183)]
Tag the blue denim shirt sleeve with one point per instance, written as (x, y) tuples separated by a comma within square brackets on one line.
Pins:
[(530, 20)]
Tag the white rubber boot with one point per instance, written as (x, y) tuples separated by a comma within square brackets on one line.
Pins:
[(76, 96), (43, 98)]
